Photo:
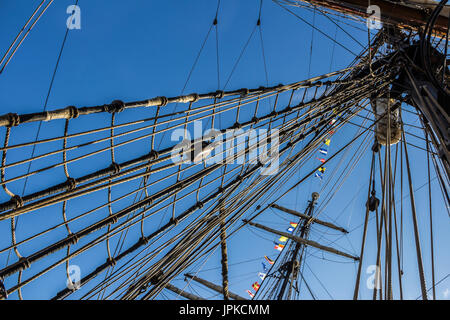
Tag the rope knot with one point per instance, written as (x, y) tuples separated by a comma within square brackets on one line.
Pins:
[(73, 238), (73, 112), (18, 200), (174, 221), (115, 106), (116, 167), (154, 154), (111, 261), (25, 263), (14, 119), (114, 219), (255, 120), (199, 205), (219, 94), (196, 97), (244, 92), (164, 101), (71, 183), (237, 125), (144, 240)]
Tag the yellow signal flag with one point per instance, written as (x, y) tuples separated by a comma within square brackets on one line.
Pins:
[(327, 141), (322, 169), (283, 239)]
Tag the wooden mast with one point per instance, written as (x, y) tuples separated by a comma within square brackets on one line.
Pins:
[(182, 293), (310, 219), (396, 13), (213, 286), (302, 241)]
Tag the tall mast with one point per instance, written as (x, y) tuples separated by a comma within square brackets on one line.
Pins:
[(284, 279), (293, 265)]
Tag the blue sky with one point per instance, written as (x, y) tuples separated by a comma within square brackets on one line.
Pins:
[(140, 49)]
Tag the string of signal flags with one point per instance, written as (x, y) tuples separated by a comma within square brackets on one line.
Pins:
[(280, 244)]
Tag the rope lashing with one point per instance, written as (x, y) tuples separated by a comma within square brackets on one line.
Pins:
[(114, 219), (244, 92), (153, 154), (281, 87), (73, 238), (111, 261), (199, 205), (71, 183), (25, 263), (116, 167), (164, 101), (73, 112), (174, 221), (219, 94), (144, 240), (18, 200), (14, 119), (115, 106), (273, 114), (196, 97)]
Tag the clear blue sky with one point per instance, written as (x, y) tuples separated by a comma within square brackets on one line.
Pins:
[(140, 49)]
